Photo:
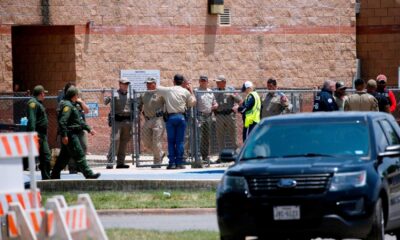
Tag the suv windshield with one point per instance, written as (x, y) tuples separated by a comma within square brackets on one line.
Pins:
[(309, 140)]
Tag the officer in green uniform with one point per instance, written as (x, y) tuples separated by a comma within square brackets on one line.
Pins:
[(37, 121), (71, 126)]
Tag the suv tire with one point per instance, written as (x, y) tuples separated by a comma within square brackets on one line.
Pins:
[(378, 225)]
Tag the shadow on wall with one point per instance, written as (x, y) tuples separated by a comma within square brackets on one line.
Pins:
[(210, 34)]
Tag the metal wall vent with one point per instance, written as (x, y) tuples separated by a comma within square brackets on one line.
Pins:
[(225, 18)]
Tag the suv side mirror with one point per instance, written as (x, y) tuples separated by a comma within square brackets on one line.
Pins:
[(227, 155), (390, 151)]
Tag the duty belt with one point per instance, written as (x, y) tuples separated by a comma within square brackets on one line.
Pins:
[(224, 112), (120, 118)]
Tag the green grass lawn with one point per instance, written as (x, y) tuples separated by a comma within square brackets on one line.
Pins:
[(143, 199), (128, 234)]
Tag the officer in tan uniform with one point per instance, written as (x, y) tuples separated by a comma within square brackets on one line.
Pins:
[(361, 100), (123, 124), (225, 114), (206, 104), (177, 101), (274, 103), (152, 107)]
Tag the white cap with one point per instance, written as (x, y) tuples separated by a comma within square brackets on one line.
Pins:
[(246, 85)]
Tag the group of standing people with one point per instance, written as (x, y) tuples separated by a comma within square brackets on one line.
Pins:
[(173, 104), (370, 96), (167, 107)]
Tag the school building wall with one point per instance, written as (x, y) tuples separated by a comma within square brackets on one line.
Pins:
[(301, 43)]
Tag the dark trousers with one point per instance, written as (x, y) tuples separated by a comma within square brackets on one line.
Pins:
[(246, 131), (176, 126), (72, 150), (44, 156)]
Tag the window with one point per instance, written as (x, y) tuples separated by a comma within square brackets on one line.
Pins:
[(391, 135), (331, 138)]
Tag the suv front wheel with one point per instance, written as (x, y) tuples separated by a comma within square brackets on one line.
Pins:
[(378, 225)]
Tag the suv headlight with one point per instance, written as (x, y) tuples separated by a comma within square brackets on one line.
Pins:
[(348, 180), (234, 184)]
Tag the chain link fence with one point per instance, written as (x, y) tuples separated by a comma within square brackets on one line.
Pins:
[(206, 134)]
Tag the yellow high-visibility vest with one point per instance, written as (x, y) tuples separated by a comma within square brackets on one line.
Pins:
[(253, 115)]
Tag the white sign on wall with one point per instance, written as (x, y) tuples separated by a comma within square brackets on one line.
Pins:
[(138, 77)]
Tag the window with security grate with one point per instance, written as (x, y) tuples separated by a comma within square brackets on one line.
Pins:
[(225, 18)]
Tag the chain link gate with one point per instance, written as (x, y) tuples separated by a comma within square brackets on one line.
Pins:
[(219, 130)]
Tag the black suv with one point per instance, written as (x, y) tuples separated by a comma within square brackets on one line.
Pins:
[(312, 175)]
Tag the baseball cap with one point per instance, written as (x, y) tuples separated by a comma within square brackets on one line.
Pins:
[(150, 80), (38, 89), (220, 78), (340, 85), (72, 91), (381, 77), (371, 83), (203, 77), (246, 85), (124, 80)]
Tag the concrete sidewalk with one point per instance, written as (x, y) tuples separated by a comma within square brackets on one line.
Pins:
[(133, 179)]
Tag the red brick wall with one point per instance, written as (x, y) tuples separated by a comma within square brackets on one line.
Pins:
[(378, 39), (301, 43)]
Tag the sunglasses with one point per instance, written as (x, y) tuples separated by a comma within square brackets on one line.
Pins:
[(381, 82)]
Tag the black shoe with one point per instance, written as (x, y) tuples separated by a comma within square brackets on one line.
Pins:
[(180, 166), (110, 167), (55, 176), (122, 166), (93, 176), (171, 166)]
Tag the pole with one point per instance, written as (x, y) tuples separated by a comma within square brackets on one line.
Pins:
[(113, 125), (32, 168)]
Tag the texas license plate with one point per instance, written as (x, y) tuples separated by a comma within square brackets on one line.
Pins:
[(286, 213)]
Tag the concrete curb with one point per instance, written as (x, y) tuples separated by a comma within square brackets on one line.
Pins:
[(160, 211), (125, 185)]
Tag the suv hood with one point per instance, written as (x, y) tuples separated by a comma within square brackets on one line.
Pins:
[(296, 165)]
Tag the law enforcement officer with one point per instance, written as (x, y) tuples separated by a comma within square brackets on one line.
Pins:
[(177, 100), (82, 108), (225, 114), (384, 92), (152, 106), (324, 101), (383, 102), (251, 109), (123, 106), (361, 100), (71, 125), (274, 102), (340, 95), (206, 103), (37, 121)]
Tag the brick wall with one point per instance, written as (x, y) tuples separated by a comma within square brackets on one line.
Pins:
[(378, 39), (43, 55), (301, 43)]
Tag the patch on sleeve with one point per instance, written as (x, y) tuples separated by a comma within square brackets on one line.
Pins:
[(66, 109), (32, 105)]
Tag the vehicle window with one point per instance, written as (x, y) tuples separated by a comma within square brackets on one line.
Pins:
[(392, 136), (381, 139), (332, 138)]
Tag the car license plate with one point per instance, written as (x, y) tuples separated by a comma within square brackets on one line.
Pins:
[(286, 213)]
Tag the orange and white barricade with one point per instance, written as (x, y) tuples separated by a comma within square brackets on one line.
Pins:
[(75, 222), (21, 215), (13, 147)]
